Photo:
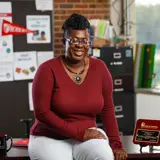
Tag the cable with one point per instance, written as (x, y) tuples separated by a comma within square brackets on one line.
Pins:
[(123, 12), (129, 5), (113, 3), (115, 9)]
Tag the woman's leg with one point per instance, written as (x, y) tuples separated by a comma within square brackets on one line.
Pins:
[(43, 148), (94, 149)]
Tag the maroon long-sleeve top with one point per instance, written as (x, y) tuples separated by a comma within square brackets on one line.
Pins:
[(64, 109)]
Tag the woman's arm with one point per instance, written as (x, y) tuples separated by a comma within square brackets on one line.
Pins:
[(43, 85), (108, 114)]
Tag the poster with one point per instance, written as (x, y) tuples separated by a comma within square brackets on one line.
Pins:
[(41, 27), (44, 5), (31, 108), (6, 71), (25, 65), (6, 42), (44, 56)]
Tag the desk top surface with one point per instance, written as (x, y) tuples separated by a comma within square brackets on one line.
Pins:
[(132, 150)]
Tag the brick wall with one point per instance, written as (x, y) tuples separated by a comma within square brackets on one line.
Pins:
[(63, 8)]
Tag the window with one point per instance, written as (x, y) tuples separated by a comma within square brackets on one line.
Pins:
[(148, 30)]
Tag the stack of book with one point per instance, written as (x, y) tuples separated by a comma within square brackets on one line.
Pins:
[(102, 29), (103, 34)]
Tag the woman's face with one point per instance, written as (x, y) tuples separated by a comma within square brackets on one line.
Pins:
[(78, 44)]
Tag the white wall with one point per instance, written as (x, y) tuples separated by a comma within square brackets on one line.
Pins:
[(147, 106)]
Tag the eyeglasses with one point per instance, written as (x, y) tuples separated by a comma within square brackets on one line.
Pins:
[(83, 41)]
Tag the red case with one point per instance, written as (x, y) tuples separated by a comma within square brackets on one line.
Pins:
[(21, 143)]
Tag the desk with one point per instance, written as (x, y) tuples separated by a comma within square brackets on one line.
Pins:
[(132, 150)]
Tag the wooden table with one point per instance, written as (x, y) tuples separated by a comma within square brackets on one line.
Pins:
[(132, 150)]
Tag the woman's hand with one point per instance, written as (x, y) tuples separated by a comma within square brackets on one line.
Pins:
[(120, 154), (93, 133)]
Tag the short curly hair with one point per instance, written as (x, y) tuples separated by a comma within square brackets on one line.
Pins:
[(77, 22)]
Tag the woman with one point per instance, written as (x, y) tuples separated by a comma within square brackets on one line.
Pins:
[(68, 92)]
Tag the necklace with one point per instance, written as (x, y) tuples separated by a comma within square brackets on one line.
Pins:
[(78, 76)]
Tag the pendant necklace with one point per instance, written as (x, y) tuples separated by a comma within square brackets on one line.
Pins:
[(78, 76)]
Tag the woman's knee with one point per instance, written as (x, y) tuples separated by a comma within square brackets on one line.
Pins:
[(35, 150), (38, 150), (103, 155), (43, 148), (97, 149)]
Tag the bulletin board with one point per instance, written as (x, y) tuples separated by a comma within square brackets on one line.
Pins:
[(14, 103)]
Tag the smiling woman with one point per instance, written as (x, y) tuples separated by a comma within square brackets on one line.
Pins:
[(76, 40), (78, 44), (68, 93)]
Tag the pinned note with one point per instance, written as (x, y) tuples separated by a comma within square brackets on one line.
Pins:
[(96, 52)]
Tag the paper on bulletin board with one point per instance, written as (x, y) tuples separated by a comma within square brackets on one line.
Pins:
[(6, 71), (44, 56), (25, 65), (6, 42), (44, 5), (41, 25), (31, 108), (96, 52)]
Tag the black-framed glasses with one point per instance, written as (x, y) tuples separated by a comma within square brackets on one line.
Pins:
[(83, 41)]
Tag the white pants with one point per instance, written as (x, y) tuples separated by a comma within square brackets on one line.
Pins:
[(43, 148)]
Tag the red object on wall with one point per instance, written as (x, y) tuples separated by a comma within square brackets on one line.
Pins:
[(9, 28)]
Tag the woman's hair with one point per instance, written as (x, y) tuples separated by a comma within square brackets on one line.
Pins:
[(75, 21)]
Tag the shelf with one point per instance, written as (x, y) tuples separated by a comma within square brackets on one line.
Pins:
[(152, 91)]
